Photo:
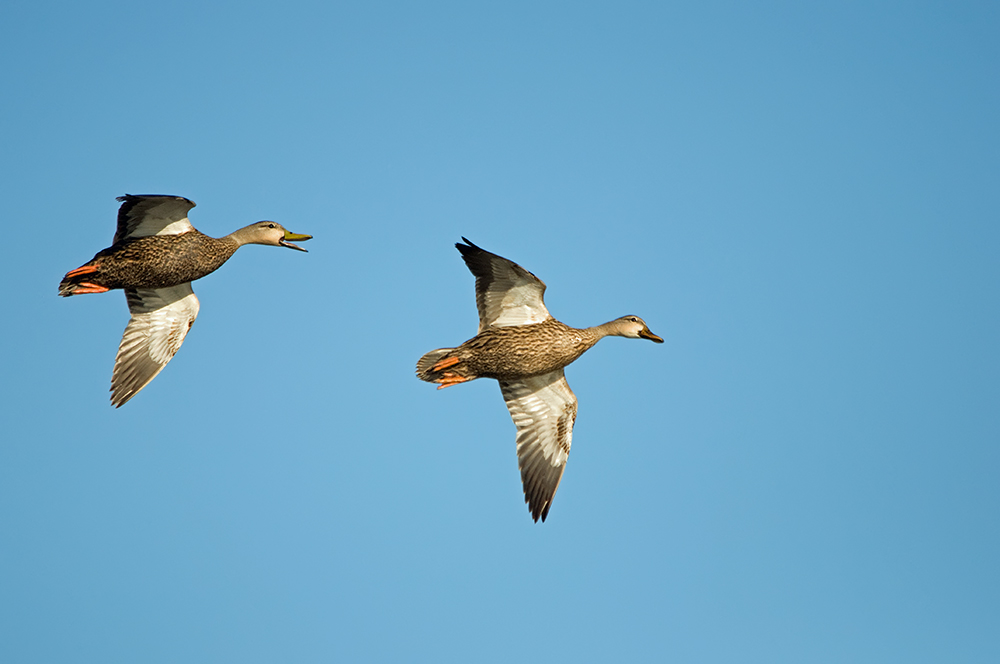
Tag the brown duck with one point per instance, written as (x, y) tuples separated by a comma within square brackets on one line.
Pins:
[(155, 255), (525, 349)]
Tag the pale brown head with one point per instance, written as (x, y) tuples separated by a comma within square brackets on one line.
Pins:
[(270, 233), (634, 327)]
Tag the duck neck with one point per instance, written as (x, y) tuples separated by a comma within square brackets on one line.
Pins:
[(215, 251), (591, 335), (237, 238)]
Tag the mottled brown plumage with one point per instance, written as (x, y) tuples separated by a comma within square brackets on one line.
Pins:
[(522, 346), (155, 261), (155, 246), (509, 353)]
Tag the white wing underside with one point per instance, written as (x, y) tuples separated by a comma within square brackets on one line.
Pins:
[(519, 305), (543, 409), (142, 216), (512, 296), (160, 320)]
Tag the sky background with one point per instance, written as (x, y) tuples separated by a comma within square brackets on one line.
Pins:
[(802, 199)]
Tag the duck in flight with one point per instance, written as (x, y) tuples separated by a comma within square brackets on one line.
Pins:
[(525, 349), (155, 255)]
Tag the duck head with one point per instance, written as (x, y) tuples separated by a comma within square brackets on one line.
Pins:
[(634, 327), (270, 233)]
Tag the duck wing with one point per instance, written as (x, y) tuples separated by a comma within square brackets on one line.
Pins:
[(141, 216), (506, 293), (161, 319), (543, 409)]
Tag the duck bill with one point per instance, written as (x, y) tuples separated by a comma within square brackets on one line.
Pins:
[(646, 334), (293, 237)]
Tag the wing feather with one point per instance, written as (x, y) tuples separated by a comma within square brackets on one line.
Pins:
[(141, 216), (506, 293), (160, 320), (543, 409)]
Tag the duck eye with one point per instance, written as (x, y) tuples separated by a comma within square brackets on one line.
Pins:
[(270, 225)]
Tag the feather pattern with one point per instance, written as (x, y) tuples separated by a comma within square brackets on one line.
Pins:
[(160, 320), (506, 294), (142, 216), (543, 409)]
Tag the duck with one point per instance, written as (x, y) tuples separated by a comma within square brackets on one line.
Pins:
[(525, 349), (155, 255)]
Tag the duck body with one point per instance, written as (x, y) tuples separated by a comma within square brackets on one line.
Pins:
[(155, 261), (522, 351), (155, 255), (526, 350)]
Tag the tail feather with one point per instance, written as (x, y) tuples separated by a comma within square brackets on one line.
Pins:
[(68, 286), (425, 364), (78, 286), (81, 280)]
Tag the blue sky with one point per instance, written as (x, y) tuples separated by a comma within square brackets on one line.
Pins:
[(802, 200)]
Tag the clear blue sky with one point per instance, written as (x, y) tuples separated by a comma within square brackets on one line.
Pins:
[(801, 199)]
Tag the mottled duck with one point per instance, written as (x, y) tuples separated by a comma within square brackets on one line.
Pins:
[(525, 349), (154, 257)]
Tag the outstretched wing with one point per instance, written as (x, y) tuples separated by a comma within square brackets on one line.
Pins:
[(543, 409), (506, 293), (161, 319), (141, 216)]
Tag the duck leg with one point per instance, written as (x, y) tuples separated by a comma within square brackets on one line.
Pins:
[(448, 379), (87, 287), (73, 283), (444, 367), (83, 269), (445, 363)]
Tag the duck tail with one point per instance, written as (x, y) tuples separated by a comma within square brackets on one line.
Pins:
[(442, 366), (80, 281), (425, 365)]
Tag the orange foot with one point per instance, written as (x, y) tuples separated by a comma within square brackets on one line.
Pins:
[(85, 269), (87, 287), (448, 379), (445, 363)]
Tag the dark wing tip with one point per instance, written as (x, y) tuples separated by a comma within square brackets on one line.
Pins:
[(139, 197), (539, 508), (540, 484), (469, 247), (537, 492), (476, 258)]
